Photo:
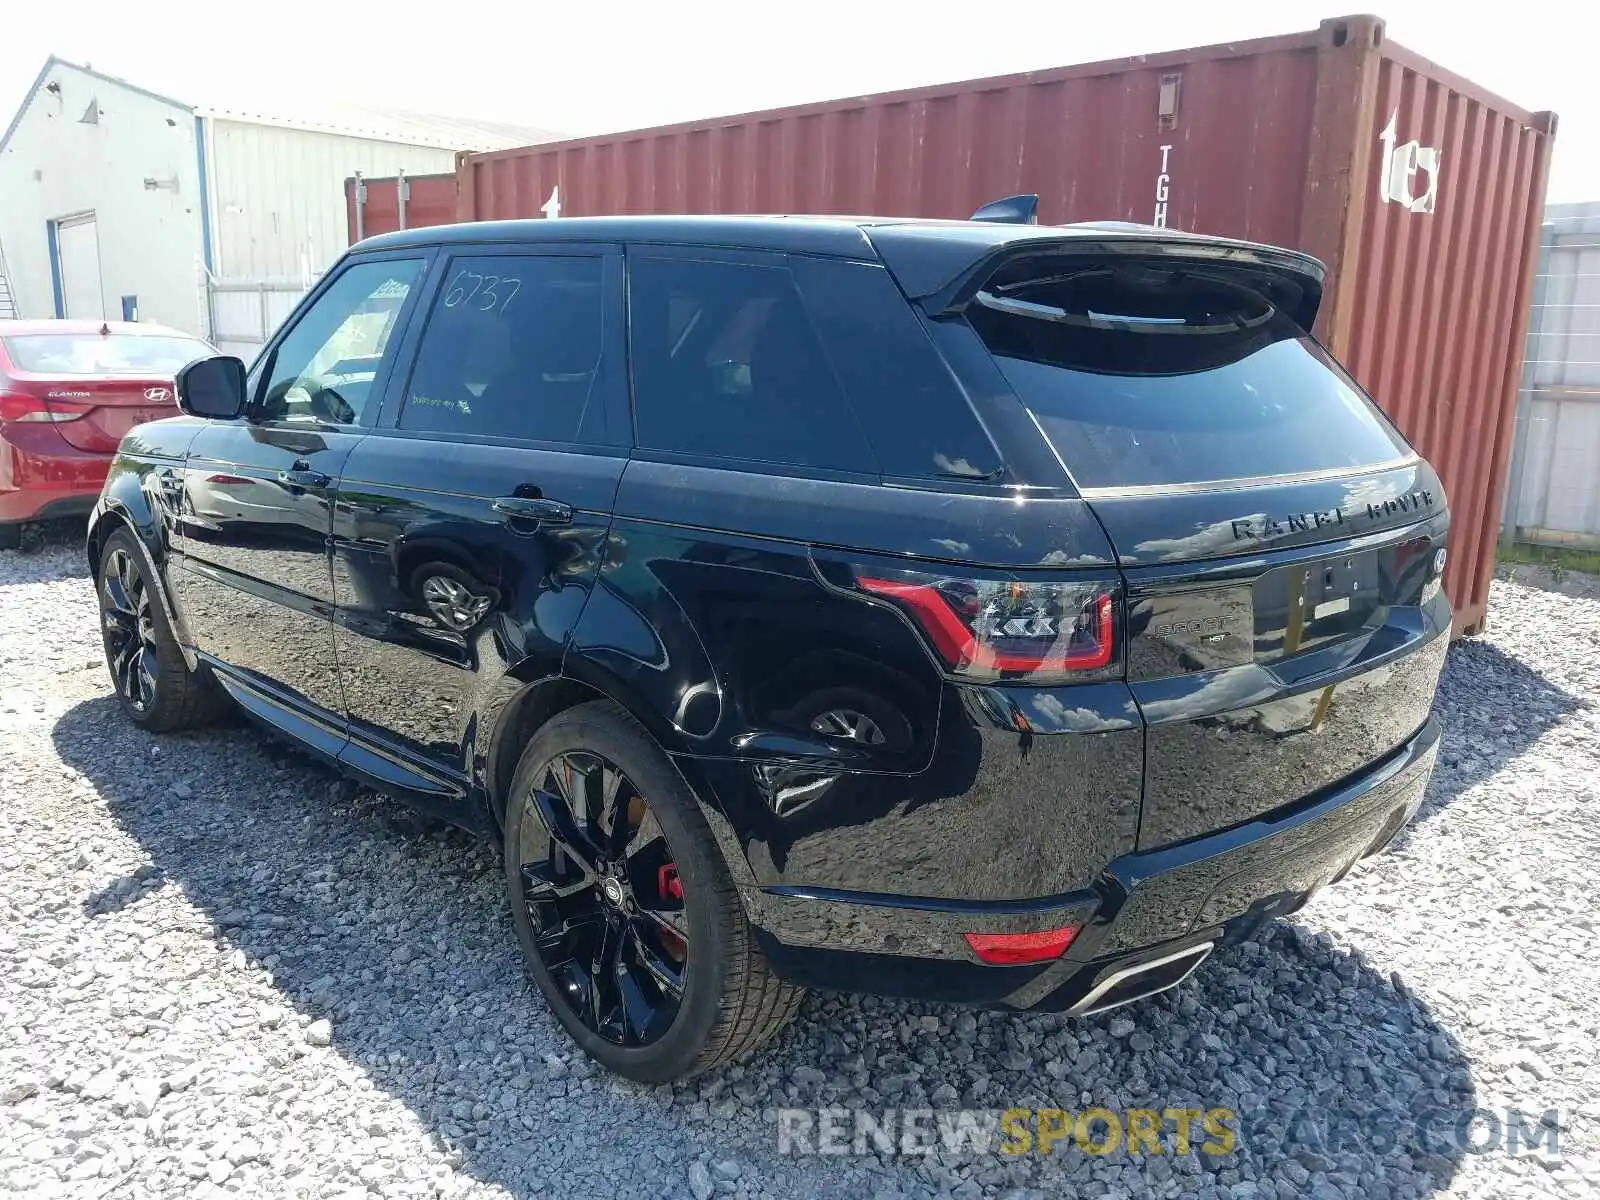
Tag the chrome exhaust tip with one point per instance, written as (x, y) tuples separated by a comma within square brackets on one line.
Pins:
[(1138, 980)]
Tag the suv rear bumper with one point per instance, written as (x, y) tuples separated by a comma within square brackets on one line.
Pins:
[(1161, 908)]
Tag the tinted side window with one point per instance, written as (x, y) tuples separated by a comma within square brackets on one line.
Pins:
[(512, 349), (726, 363), (324, 368), (918, 420)]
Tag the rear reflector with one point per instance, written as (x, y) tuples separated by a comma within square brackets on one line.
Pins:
[(1010, 949), (1039, 630)]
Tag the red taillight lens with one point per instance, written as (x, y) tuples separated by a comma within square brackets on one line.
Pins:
[(24, 406), (1010, 949), (1042, 630)]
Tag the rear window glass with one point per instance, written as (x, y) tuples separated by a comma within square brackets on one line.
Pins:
[(103, 354), (1146, 375)]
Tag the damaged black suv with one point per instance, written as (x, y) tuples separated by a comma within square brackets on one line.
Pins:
[(978, 612)]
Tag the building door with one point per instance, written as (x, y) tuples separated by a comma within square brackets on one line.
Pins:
[(78, 268)]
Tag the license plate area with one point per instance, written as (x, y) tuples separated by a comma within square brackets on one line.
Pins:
[(115, 420), (1309, 604)]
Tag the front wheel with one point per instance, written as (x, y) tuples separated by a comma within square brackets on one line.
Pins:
[(625, 912), (154, 684)]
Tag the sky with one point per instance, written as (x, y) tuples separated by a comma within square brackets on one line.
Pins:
[(601, 66)]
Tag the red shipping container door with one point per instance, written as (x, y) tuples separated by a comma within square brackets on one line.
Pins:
[(1421, 191), (372, 206)]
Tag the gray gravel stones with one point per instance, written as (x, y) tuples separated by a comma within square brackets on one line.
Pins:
[(223, 973)]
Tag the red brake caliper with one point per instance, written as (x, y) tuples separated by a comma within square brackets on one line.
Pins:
[(668, 883), (670, 887)]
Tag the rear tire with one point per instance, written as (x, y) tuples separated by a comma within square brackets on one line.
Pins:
[(729, 1000), (154, 685), (10, 536)]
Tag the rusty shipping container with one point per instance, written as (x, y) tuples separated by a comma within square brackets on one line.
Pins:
[(374, 206), (1419, 189)]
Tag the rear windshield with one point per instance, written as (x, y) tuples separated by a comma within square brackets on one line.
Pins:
[(103, 354), (1145, 375)]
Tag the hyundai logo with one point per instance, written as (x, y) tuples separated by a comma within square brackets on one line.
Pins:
[(158, 393)]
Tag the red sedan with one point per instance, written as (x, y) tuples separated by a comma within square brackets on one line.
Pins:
[(69, 390)]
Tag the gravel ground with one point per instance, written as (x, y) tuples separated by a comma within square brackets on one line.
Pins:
[(222, 971)]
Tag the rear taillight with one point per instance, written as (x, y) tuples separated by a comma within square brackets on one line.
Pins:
[(24, 406), (1044, 631)]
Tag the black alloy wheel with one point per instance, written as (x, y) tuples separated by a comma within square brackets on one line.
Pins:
[(129, 621), (624, 906), (155, 685), (605, 899)]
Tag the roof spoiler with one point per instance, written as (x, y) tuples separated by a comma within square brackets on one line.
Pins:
[(942, 266), (1010, 210), (1117, 226)]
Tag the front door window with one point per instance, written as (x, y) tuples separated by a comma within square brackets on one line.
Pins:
[(325, 368)]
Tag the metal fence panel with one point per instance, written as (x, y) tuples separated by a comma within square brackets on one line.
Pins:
[(244, 313), (1554, 494)]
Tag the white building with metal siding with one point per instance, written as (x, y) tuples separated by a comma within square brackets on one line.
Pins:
[(107, 173), (278, 197), (214, 220)]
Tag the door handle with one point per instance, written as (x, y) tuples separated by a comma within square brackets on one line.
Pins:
[(303, 477), (534, 508)]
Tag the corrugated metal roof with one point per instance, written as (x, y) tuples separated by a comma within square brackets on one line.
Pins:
[(345, 118), (391, 125)]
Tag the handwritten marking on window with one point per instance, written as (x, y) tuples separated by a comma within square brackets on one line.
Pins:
[(422, 401), (485, 293)]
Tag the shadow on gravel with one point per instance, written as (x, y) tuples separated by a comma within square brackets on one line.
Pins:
[(56, 552), (1493, 707), (1342, 1083)]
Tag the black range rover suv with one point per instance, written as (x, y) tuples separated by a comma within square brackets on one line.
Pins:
[(984, 613)]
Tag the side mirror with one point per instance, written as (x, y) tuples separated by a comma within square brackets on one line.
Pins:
[(213, 387)]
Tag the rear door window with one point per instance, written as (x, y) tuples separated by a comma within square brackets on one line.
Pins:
[(727, 364), (513, 348), (1149, 375)]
